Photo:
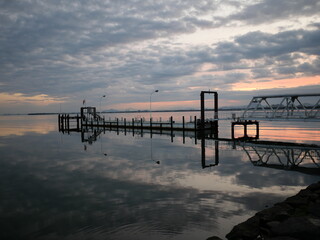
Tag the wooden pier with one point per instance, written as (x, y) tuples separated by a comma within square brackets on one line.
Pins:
[(90, 118), (69, 123)]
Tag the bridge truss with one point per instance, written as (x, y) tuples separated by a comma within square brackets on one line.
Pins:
[(283, 157), (304, 107)]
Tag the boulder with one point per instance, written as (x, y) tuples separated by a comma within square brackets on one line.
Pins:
[(297, 227)]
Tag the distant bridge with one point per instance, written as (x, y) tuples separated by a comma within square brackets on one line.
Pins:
[(296, 107)]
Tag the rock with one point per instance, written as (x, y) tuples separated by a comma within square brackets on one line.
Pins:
[(297, 227), (315, 222), (311, 195), (296, 218), (273, 224), (314, 186), (297, 200), (276, 213), (246, 230), (314, 209), (214, 238)]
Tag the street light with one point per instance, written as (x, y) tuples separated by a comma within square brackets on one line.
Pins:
[(155, 91), (100, 102)]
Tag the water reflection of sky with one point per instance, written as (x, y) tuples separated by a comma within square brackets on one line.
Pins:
[(53, 187)]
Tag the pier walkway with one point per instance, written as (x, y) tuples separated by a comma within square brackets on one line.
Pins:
[(75, 123)]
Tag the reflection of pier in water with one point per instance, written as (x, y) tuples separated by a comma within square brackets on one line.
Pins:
[(288, 157), (278, 155)]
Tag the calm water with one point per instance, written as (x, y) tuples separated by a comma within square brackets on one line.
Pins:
[(127, 185)]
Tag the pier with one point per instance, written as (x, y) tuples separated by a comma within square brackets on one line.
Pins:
[(268, 108), (69, 123), (89, 118)]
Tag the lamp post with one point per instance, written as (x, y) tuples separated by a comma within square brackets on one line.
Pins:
[(100, 102), (155, 91)]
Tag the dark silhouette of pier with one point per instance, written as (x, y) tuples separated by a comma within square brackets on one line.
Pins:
[(288, 107), (90, 118)]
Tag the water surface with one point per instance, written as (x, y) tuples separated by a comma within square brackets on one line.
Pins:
[(134, 185)]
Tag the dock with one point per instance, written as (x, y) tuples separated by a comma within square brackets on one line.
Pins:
[(71, 123), (288, 108), (89, 118)]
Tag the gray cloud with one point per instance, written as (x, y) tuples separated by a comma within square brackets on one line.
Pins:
[(272, 10), (78, 48)]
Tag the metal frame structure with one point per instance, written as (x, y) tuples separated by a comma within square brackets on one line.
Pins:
[(283, 157), (89, 114), (285, 107), (202, 107)]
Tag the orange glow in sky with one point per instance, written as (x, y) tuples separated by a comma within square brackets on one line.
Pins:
[(157, 105), (41, 99), (283, 83)]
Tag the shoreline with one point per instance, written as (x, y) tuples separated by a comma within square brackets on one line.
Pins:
[(297, 217)]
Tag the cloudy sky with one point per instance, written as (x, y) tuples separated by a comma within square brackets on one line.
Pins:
[(57, 53)]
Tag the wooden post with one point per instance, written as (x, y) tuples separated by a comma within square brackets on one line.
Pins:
[(117, 123), (232, 130), (195, 130), (78, 122), (171, 123), (183, 123), (216, 107), (216, 152), (183, 133), (141, 123), (202, 110), (65, 121), (216, 128), (151, 127), (245, 129), (203, 152), (125, 122), (62, 122), (68, 119), (132, 123), (59, 124)]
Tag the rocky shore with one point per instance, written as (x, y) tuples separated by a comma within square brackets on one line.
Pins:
[(297, 217)]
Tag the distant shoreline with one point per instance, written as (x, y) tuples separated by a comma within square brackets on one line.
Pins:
[(128, 111)]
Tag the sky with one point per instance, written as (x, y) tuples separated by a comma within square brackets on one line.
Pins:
[(54, 54)]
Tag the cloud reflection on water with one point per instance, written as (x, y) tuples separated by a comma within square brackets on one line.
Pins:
[(51, 187)]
